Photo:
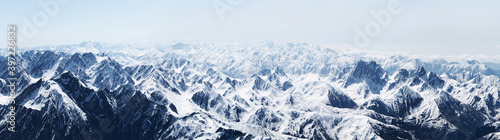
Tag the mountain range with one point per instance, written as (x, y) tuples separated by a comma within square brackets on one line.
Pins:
[(258, 90)]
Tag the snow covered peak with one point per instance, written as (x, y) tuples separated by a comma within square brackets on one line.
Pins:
[(370, 72)]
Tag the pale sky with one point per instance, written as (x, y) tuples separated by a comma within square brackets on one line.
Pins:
[(447, 27)]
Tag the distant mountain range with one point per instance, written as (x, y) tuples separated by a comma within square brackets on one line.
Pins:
[(260, 90)]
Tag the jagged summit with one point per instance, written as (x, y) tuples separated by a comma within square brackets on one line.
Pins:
[(369, 72)]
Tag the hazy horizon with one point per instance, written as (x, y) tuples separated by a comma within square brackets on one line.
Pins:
[(416, 27)]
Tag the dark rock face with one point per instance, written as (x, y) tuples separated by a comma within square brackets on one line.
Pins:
[(391, 133), (484, 130), (370, 73), (266, 118), (462, 116), (420, 72), (402, 75), (406, 101), (286, 85), (201, 98), (72, 86), (260, 84), (340, 100), (435, 80), (40, 61), (378, 106)]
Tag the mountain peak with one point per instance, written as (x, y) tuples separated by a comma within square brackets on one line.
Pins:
[(402, 75), (73, 86), (434, 79), (421, 72), (363, 71)]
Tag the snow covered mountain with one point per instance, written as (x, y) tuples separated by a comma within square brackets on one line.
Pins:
[(263, 90)]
